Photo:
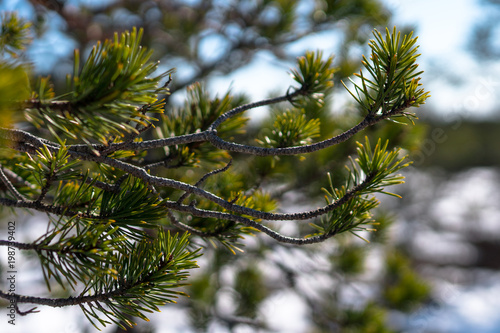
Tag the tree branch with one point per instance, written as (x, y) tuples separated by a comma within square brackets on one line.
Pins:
[(248, 222), (18, 179), (57, 210), (166, 182), (369, 120), (242, 108), (10, 186), (60, 302), (202, 179), (271, 216)]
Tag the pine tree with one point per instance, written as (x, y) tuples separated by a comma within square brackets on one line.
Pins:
[(128, 182)]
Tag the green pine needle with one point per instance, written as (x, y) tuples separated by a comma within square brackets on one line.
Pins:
[(372, 171), (110, 95), (394, 82)]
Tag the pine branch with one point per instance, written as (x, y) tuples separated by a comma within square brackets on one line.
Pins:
[(248, 222), (147, 274), (210, 135), (249, 106), (305, 149), (102, 185), (98, 238), (76, 251), (204, 178), (41, 207)]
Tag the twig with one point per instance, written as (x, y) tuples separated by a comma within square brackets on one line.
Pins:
[(186, 227), (17, 245), (276, 217), (369, 120), (166, 182), (27, 312), (250, 223), (10, 186), (242, 108), (205, 177), (18, 179), (24, 141), (57, 210), (60, 302), (46, 187)]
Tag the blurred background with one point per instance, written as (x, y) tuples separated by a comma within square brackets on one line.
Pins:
[(434, 264)]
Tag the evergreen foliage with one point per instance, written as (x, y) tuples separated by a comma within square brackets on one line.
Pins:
[(128, 182)]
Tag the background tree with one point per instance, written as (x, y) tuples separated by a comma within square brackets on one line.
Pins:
[(212, 37), (201, 112)]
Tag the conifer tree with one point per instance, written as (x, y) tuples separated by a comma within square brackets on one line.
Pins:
[(129, 185)]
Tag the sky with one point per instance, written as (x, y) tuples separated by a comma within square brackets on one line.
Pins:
[(444, 28)]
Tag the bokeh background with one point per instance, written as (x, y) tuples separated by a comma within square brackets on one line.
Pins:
[(445, 232)]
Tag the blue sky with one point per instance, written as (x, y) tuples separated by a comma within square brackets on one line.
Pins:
[(444, 30)]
